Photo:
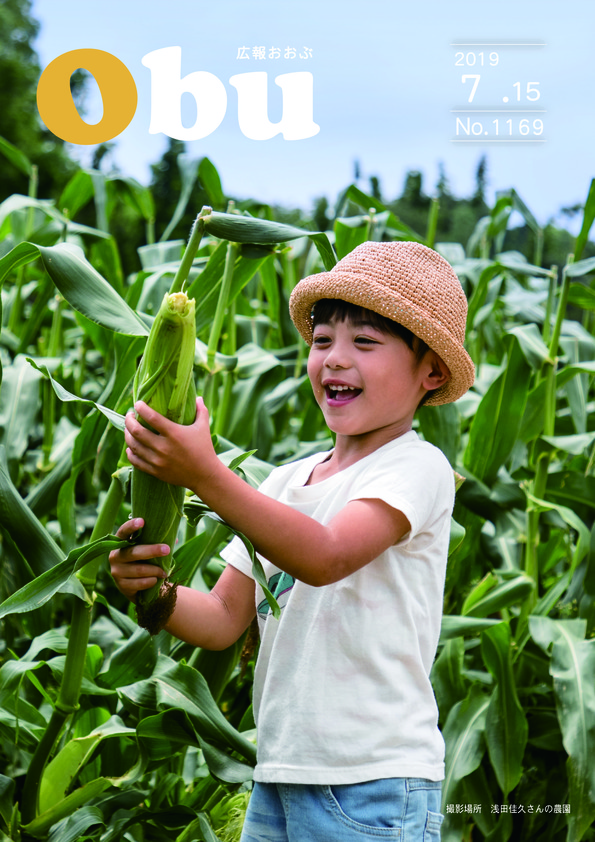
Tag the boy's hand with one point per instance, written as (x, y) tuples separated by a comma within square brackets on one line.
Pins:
[(128, 567), (180, 454), (212, 620)]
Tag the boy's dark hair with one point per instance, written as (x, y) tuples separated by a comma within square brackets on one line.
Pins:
[(328, 310)]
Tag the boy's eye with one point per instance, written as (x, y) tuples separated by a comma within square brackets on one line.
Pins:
[(366, 340), (321, 339)]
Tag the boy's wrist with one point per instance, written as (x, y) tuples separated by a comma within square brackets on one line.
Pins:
[(210, 473)]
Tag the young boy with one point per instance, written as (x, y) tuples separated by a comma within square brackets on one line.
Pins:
[(354, 544)]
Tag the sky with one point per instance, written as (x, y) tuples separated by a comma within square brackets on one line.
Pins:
[(388, 91)]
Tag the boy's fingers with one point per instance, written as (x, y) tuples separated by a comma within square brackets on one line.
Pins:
[(155, 419), (130, 527), (136, 430), (130, 587), (138, 552), (138, 462), (137, 571), (146, 457)]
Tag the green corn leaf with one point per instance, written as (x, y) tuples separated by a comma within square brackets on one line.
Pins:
[(195, 510), (138, 196), (42, 497), (464, 737), (479, 591), (521, 207), (447, 674), (67, 764), (457, 535), (206, 287), (206, 829), (133, 661), (217, 667), (19, 405), (454, 625), (498, 418), (19, 256), (502, 596), (575, 444), (84, 288), (77, 193), (349, 233), (40, 590), (532, 345), (476, 790), (588, 218), (515, 262), (80, 284), (441, 426), (211, 182), (182, 687), (32, 540), (11, 672), (480, 291), (366, 202), (118, 421), (506, 725), (188, 167), (46, 207), (164, 734), (74, 828), (533, 418), (249, 229), (572, 519), (577, 270), (6, 798), (572, 667), (224, 767), (17, 158), (21, 724), (77, 799), (163, 256)]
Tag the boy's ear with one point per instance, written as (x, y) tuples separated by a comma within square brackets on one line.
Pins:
[(438, 373)]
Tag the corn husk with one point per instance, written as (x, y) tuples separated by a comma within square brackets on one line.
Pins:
[(165, 381)]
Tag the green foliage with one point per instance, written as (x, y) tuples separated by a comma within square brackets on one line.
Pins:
[(108, 733), (19, 120)]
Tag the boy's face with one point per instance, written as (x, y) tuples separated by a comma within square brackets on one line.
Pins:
[(367, 381)]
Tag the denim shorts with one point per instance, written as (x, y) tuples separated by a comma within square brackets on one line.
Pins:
[(407, 809)]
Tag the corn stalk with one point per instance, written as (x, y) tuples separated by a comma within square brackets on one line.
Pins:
[(70, 687)]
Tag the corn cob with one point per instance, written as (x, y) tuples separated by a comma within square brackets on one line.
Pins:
[(164, 380)]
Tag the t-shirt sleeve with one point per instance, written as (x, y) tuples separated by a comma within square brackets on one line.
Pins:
[(417, 480), (235, 553)]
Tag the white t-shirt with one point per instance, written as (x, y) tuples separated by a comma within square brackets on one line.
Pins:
[(341, 690)]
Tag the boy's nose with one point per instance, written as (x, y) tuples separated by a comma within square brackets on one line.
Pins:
[(337, 357)]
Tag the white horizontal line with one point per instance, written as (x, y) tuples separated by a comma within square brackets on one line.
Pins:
[(489, 44), (494, 140), (498, 111)]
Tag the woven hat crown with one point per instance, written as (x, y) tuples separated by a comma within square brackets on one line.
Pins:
[(408, 283)]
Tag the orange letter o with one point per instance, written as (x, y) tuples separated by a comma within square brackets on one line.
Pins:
[(58, 111)]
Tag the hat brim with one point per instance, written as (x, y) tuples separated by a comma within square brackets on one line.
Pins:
[(350, 287)]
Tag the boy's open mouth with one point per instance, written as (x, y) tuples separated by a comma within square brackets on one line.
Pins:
[(336, 394)]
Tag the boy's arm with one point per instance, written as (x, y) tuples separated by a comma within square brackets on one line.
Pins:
[(212, 620), (316, 554), (217, 619)]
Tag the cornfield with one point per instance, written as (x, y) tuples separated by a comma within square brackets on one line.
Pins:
[(108, 733)]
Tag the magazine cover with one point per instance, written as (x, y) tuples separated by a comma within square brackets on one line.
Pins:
[(398, 641)]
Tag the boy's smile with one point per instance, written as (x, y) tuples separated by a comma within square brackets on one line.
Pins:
[(338, 392), (367, 382)]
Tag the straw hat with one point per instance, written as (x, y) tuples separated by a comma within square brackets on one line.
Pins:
[(408, 283)]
